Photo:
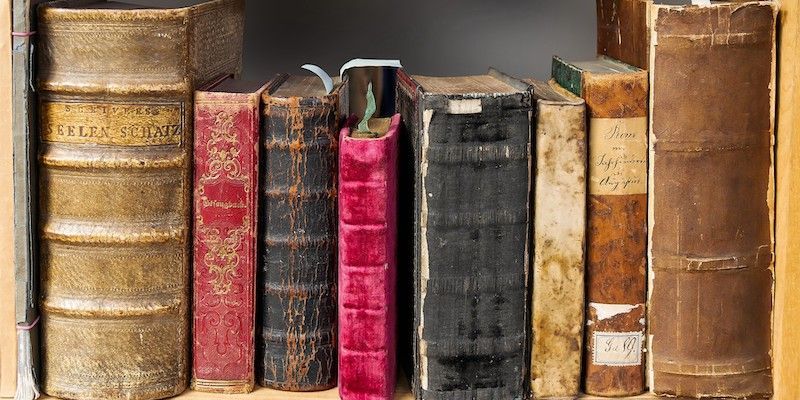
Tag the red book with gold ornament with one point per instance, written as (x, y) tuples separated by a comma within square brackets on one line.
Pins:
[(225, 191)]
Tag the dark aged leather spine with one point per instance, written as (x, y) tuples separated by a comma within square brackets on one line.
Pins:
[(225, 198), (616, 101), (368, 263), (623, 32), (470, 163), (115, 190), (297, 340), (559, 233), (712, 186)]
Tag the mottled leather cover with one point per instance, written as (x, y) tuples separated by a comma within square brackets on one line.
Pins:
[(116, 86), (465, 238), (622, 30), (559, 241), (368, 264), (296, 344), (712, 199), (616, 102), (226, 147)]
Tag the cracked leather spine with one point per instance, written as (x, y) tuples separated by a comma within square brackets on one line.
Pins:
[(296, 343)]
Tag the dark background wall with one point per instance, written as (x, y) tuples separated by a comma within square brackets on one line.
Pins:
[(433, 37)]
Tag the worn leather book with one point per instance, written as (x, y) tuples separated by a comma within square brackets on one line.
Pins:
[(559, 239), (297, 289), (623, 31), (368, 260), (467, 156), (712, 199), (116, 83), (616, 101), (227, 123)]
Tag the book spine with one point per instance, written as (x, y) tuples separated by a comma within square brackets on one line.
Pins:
[(225, 197), (558, 242), (114, 204), (297, 343), (471, 303), (616, 231), (622, 30), (712, 199), (367, 265)]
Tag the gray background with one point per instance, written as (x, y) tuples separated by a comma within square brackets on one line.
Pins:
[(433, 37)]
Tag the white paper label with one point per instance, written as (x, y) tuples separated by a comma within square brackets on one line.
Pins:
[(618, 156), (619, 349)]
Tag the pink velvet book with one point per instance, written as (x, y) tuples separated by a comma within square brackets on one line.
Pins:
[(367, 262)]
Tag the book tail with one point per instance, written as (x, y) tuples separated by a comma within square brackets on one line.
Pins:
[(27, 387)]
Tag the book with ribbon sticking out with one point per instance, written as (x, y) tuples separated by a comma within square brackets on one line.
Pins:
[(296, 342), (226, 148), (368, 257)]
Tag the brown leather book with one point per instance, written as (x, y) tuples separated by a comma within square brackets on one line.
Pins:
[(622, 30), (559, 240), (712, 199), (116, 83), (616, 101)]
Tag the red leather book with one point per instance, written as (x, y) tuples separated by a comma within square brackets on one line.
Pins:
[(367, 261), (225, 190)]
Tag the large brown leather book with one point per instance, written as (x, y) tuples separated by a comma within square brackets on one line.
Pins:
[(296, 340), (559, 240), (116, 83), (616, 102), (712, 199)]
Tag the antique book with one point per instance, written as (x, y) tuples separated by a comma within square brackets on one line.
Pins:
[(616, 236), (24, 233), (559, 240), (116, 83), (368, 260), (712, 199), (296, 346), (623, 31), (226, 142), (468, 166)]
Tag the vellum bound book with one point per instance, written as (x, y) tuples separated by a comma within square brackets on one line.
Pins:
[(116, 83), (466, 217)]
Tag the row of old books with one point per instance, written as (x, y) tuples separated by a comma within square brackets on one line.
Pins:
[(608, 231)]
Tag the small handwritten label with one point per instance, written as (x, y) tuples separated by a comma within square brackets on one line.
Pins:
[(618, 156), (617, 348), (112, 123)]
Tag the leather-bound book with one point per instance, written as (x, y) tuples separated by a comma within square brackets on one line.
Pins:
[(226, 146), (559, 232), (296, 343), (467, 156), (712, 199), (616, 103), (368, 260), (623, 31), (116, 85)]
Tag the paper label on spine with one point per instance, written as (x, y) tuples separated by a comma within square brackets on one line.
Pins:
[(618, 349), (618, 156), (118, 124)]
